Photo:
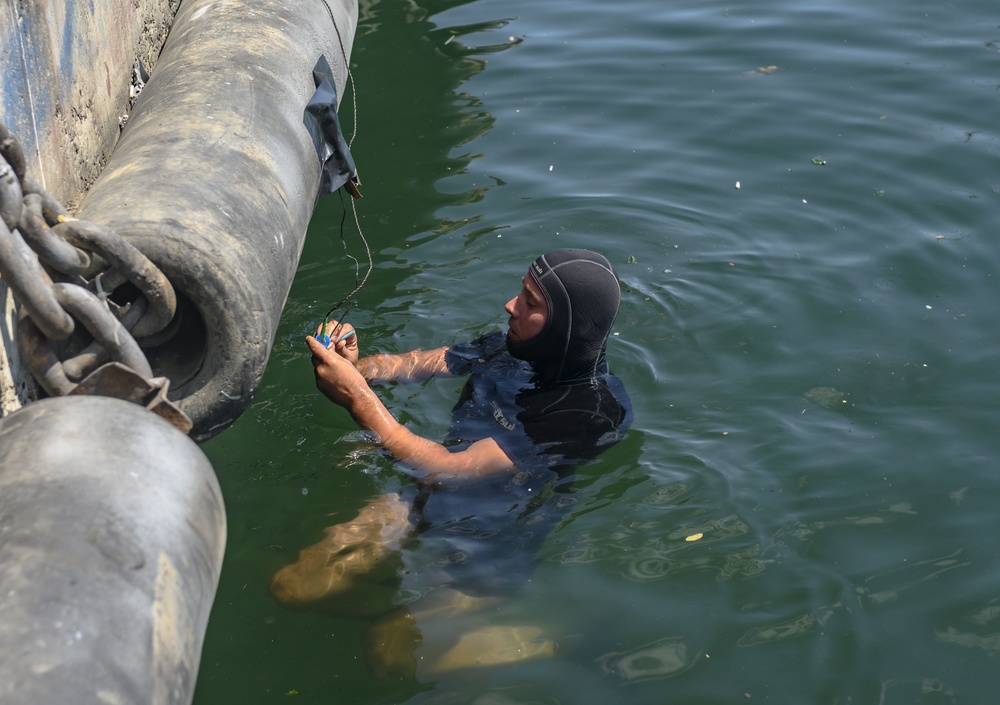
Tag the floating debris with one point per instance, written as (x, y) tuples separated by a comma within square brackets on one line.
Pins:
[(827, 397), (694, 537), (819, 161), (139, 78), (761, 71)]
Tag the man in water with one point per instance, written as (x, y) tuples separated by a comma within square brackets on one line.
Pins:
[(539, 401)]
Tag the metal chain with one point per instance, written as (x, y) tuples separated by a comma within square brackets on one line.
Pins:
[(61, 271)]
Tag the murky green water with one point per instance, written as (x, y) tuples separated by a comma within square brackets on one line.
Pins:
[(801, 199)]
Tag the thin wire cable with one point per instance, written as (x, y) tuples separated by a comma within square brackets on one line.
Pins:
[(350, 76), (351, 298)]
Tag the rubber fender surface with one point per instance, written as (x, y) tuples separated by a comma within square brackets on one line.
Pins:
[(215, 179), (113, 531)]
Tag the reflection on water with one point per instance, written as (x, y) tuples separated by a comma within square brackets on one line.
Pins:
[(927, 691), (787, 629), (889, 586), (660, 659), (642, 558)]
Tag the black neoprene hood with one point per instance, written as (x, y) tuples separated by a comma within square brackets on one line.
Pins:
[(582, 293)]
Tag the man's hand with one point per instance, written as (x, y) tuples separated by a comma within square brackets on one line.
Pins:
[(342, 383), (344, 339), (336, 376)]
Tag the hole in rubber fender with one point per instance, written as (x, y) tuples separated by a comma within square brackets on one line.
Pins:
[(181, 356)]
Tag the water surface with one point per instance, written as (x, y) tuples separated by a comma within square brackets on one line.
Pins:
[(801, 200)]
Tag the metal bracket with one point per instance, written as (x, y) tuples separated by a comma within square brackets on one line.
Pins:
[(121, 382)]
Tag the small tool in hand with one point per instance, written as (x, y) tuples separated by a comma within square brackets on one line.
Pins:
[(326, 341)]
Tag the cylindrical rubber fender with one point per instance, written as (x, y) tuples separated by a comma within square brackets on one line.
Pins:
[(112, 532), (215, 179)]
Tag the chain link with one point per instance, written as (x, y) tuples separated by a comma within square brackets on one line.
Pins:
[(61, 271), (51, 249)]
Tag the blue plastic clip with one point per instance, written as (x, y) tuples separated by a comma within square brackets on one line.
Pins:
[(324, 339)]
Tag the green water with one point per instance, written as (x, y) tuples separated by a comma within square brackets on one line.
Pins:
[(810, 354)]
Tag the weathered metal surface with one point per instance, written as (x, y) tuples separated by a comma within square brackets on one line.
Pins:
[(65, 70), (73, 320), (135, 267)]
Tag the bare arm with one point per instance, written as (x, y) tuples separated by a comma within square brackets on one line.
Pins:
[(344, 384), (414, 366)]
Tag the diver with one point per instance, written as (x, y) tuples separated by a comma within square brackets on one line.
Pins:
[(539, 401)]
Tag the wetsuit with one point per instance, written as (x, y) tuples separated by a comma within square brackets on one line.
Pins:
[(550, 403), (480, 536)]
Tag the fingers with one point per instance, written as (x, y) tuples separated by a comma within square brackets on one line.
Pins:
[(315, 346), (344, 332), (320, 353), (333, 333), (347, 340), (335, 330)]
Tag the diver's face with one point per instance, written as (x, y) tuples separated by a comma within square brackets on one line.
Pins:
[(527, 310)]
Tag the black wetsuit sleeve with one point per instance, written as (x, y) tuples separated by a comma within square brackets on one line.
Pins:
[(462, 358)]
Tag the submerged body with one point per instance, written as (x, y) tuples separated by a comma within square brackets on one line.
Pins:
[(490, 528), (539, 401)]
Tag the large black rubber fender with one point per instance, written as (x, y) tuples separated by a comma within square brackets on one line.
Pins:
[(113, 532), (215, 179)]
